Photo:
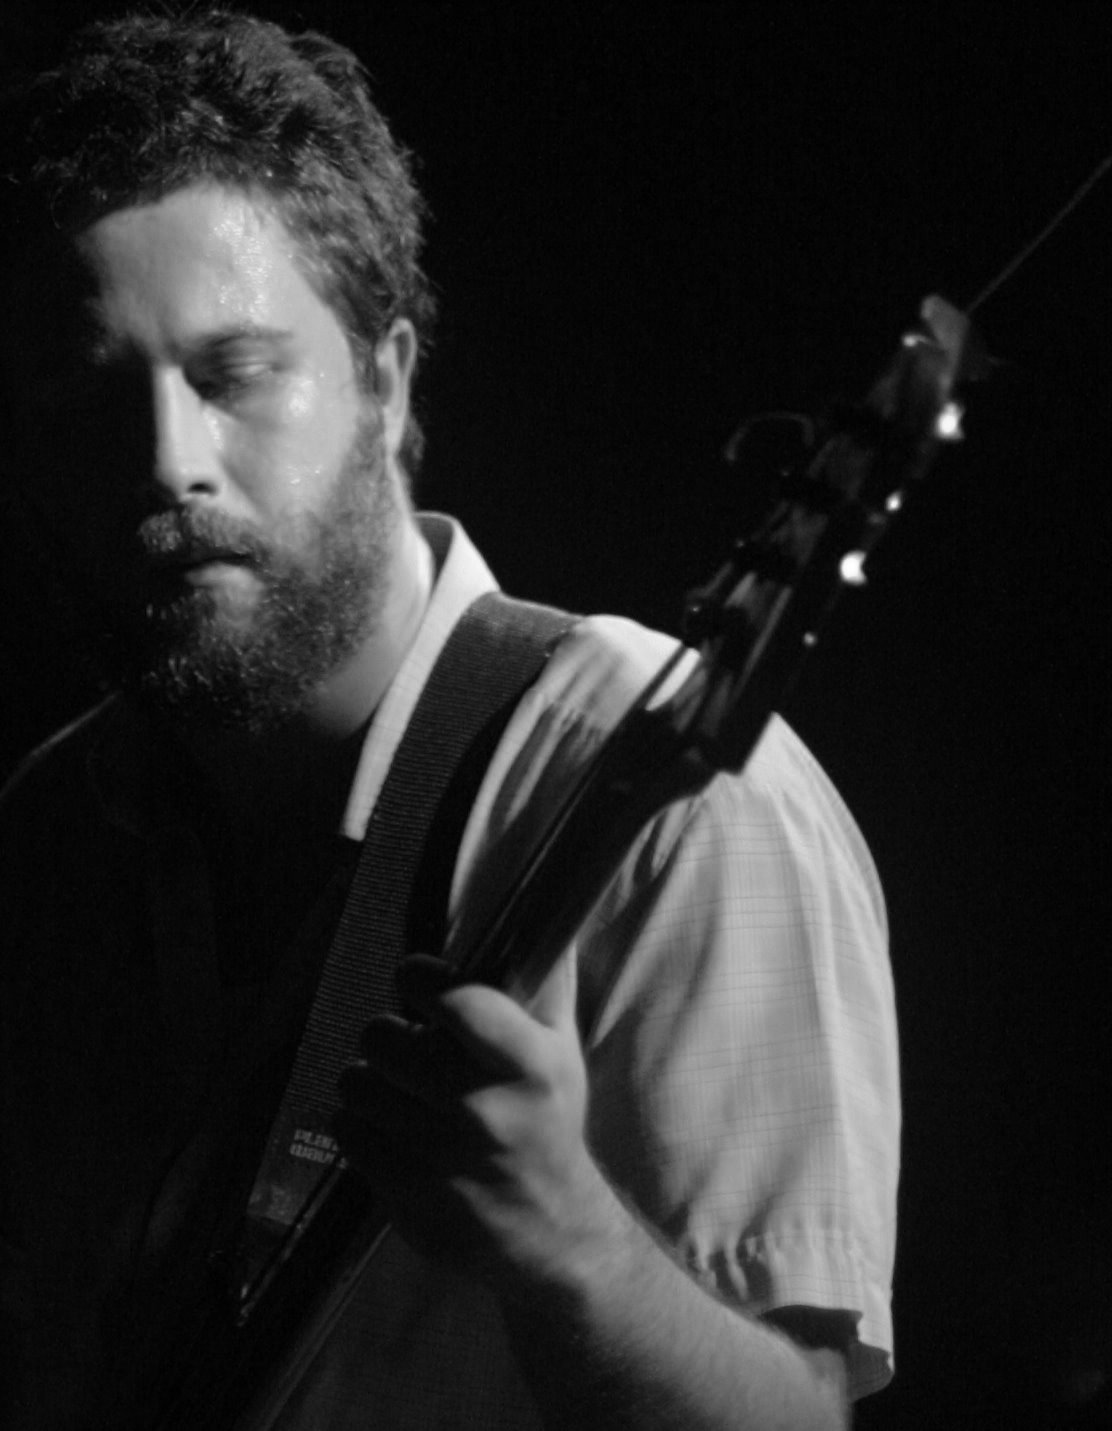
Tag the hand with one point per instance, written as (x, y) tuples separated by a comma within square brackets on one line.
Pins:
[(470, 1125)]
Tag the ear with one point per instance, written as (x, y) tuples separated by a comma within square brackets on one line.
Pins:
[(395, 358)]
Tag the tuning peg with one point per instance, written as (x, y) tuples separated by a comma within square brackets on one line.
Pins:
[(852, 569), (948, 426), (702, 619)]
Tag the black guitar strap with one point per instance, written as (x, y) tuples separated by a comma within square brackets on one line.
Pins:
[(398, 897)]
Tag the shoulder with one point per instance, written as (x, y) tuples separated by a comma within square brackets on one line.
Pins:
[(63, 756), (780, 809), (87, 776), (597, 670), (603, 665), (62, 857)]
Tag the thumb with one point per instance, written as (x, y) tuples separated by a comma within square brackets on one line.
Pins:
[(550, 995)]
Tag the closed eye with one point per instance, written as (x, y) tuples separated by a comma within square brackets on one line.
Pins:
[(230, 381), (233, 365)]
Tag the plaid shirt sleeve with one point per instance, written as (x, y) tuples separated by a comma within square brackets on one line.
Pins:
[(737, 1007)]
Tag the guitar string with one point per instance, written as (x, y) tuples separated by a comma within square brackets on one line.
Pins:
[(1041, 237)]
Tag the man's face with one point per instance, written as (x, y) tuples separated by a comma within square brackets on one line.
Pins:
[(217, 467)]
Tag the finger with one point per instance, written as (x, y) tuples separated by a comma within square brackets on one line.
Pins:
[(486, 1023), (385, 1107), (491, 1025), (553, 1003), (435, 1133), (496, 1033), (389, 1165), (503, 1034), (415, 1201), (420, 1060), (422, 979), (392, 1048)]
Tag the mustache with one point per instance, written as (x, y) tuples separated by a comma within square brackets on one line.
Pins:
[(179, 537)]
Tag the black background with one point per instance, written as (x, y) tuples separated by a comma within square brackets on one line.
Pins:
[(651, 221)]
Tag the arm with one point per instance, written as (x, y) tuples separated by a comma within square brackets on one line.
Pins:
[(473, 1132), (644, 1346)]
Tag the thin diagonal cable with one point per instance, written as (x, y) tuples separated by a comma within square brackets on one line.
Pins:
[(1040, 238)]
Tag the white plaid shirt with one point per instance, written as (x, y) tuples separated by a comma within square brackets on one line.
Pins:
[(739, 1027)]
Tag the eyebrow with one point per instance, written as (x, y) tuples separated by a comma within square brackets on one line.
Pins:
[(247, 330), (239, 332), (204, 340)]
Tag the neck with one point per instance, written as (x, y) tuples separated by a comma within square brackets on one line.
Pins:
[(307, 765)]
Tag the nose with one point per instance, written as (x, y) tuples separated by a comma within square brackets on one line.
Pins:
[(185, 457)]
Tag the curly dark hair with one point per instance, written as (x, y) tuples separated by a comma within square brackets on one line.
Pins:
[(143, 105)]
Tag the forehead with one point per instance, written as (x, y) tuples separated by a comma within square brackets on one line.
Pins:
[(201, 258)]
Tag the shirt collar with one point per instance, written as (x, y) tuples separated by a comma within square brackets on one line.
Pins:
[(461, 577)]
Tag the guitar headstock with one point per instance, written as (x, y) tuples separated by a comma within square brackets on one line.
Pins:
[(759, 614), (914, 397), (753, 622)]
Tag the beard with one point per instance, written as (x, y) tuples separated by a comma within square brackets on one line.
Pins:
[(321, 586)]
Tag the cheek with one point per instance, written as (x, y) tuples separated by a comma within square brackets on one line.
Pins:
[(290, 461)]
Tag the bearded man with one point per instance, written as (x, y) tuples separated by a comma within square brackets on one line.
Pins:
[(658, 1193)]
